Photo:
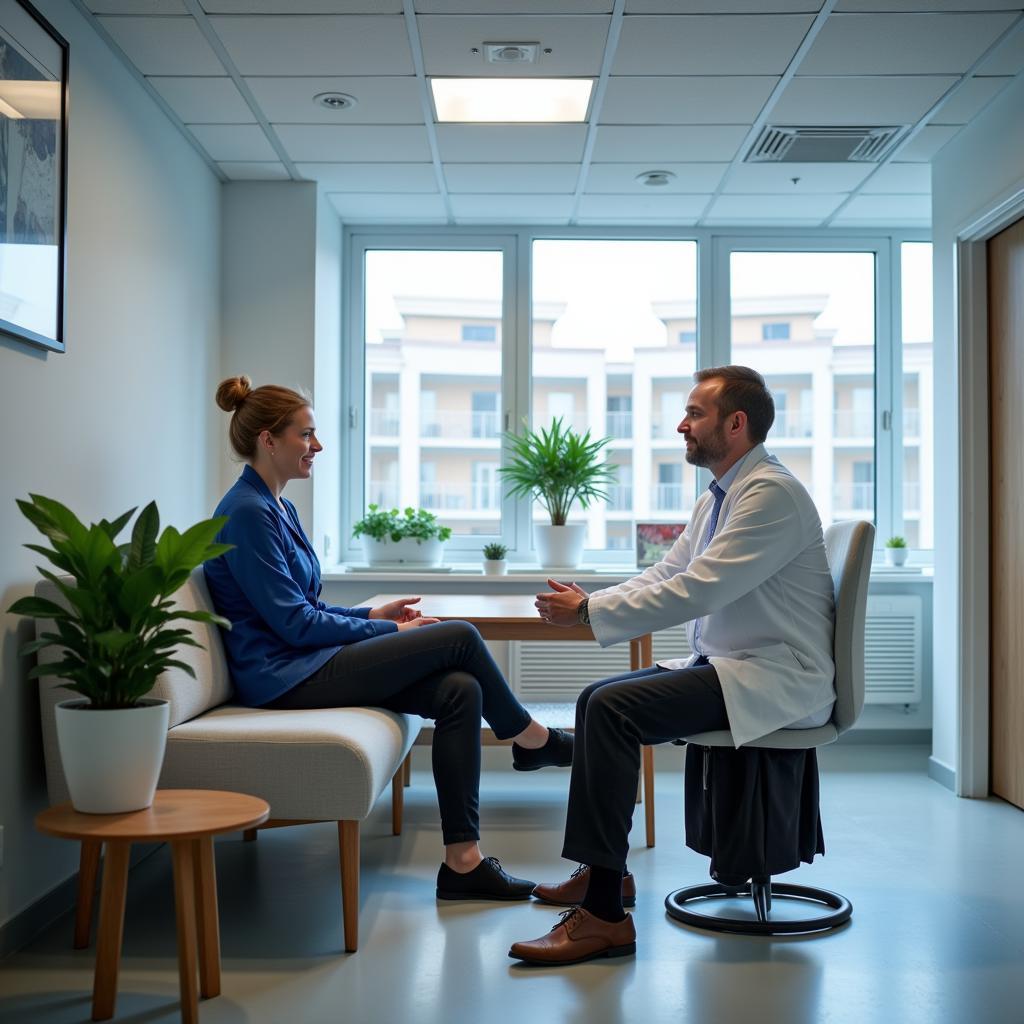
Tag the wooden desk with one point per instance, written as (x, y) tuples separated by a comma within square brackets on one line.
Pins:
[(514, 617), (188, 819)]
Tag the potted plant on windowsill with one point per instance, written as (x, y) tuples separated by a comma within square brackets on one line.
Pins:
[(494, 559), (412, 538), (557, 467), (114, 628), (895, 551)]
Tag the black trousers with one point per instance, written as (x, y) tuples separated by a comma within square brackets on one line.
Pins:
[(442, 671), (614, 717)]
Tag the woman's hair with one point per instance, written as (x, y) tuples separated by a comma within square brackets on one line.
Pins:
[(254, 410), (743, 390)]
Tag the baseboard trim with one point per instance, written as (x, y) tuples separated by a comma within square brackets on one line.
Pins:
[(941, 773), (888, 737)]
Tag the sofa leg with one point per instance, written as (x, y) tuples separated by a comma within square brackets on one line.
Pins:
[(348, 849), (397, 801), (407, 769), (249, 835), (88, 869)]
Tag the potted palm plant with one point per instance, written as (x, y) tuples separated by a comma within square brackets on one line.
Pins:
[(114, 626), (557, 467)]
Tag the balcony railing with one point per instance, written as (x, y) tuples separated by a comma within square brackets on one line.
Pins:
[(857, 497), (664, 426), (620, 497), (911, 423), (461, 424), (383, 423), (911, 496), (382, 493), (853, 423), (793, 423), (667, 497), (461, 497), (619, 425)]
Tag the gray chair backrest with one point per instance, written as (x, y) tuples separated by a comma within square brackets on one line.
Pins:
[(848, 547)]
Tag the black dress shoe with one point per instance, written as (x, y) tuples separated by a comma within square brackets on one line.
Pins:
[(487, 881), (557, 752)]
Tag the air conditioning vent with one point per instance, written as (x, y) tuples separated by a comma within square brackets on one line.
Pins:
[(825, 145)]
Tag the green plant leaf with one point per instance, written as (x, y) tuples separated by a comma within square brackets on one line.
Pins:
[(38, 608), (143, 542)]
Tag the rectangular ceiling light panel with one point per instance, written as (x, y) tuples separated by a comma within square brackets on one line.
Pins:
[(511, 100)]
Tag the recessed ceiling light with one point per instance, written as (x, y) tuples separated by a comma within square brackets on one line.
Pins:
[(504, 100), (335, 100), (655, 178)]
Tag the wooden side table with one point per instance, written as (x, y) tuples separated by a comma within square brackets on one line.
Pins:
[(188, 819)]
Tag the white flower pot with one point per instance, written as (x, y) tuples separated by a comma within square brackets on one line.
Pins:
[(407, 551), (895, 556), (559, 547), (495, 567), (112, 759)]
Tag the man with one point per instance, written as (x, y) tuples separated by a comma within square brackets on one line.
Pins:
[(750, 577)]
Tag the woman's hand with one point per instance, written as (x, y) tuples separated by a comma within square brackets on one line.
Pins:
[(420, 620), (398, 611), (559, 606)]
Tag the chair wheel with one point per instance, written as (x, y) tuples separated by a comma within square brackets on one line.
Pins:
[(683, 904)]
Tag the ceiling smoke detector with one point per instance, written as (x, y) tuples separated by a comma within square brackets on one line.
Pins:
[(335, 100), (655, 179), (511, 53)]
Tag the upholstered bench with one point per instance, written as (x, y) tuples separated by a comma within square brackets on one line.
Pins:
[(310, 766)]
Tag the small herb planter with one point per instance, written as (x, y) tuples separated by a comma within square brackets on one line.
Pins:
[(495, 567), (407, 551)]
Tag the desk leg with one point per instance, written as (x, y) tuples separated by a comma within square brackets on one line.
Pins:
[(88, 868), (111, 929), (185, 912), (206, 914)]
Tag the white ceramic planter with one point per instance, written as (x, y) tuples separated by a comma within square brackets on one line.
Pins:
[(559, 547), (407, 551), (495, 567), (112, 759), (895, 556)]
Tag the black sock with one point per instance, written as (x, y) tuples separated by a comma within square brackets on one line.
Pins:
[(604, 894)]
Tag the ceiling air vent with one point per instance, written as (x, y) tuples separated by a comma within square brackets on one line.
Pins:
[(777, 144)]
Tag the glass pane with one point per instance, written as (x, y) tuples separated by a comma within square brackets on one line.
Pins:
[(918, 512), (806, 320), (614, 347), (433, 384)]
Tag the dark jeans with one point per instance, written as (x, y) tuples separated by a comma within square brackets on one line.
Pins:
[(614, 717), (442, 671)]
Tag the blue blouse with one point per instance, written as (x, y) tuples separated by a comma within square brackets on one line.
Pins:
[(268, 587)]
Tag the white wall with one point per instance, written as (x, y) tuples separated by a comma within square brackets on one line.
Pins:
[(126, 414), (981, 166)]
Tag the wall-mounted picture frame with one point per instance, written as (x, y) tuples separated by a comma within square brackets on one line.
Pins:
[(33, 176), (655, 540)]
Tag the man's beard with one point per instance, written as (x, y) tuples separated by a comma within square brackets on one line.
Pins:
[(713, 449)]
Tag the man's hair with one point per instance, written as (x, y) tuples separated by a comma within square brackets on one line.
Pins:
[(743, 390)]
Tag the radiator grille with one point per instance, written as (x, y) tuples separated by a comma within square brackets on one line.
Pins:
[(892, 650)]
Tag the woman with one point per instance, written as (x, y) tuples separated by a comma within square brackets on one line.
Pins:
[(287, 649)]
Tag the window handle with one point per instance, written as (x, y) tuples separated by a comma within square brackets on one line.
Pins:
[(886, 419)]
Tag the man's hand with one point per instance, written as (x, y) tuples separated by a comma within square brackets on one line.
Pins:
[(559, 605), (398, 611)]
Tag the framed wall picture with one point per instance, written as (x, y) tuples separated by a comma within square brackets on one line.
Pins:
[(33, 175), (653, 541)]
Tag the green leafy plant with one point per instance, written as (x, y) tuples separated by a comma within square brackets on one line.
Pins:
[(896, 542), (495, 552), (417, 523), (558, 467), (116, 629)]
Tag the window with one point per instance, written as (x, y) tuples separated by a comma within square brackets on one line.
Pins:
[(775, 332), (687, 337), (479, 332)]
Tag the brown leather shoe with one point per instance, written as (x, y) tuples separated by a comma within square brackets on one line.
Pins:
[(570, 893), (578, 936)]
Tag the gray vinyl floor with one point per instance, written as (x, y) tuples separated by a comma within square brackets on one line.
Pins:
[(937, 933)]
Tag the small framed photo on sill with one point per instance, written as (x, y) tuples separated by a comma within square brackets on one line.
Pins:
[(654, 540)]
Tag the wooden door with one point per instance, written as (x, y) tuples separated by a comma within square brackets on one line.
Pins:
[(1006, 426)]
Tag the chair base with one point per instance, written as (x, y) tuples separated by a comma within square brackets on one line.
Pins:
[(682, 906)]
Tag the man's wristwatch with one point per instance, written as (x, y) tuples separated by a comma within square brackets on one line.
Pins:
[(583, 612)]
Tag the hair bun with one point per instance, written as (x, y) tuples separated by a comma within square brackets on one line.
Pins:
[(232, 392)]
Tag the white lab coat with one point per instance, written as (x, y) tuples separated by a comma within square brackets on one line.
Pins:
[(765, 592)]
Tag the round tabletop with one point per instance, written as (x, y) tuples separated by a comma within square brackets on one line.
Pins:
[(174, 814)]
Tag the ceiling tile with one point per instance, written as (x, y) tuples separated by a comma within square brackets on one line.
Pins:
[(907, 44), (1008, 58), (204, 100), (316, 45), (378, 100), (233, 142), (466, 143), (388, 209), (513, 7), (887, 6), (620, 179), (301, 6), (137, 6), (704, 45), (896, 179), (969, 99), (255, 170), (670, 208), (552, 179), (886, 210), (926, 143), (680, 143), (505, 209), (358, 143), (827, 179), (164, 46), (368, 178), (721, 6), (577, 44), (755, 209), (689, 100), (858, 101)]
